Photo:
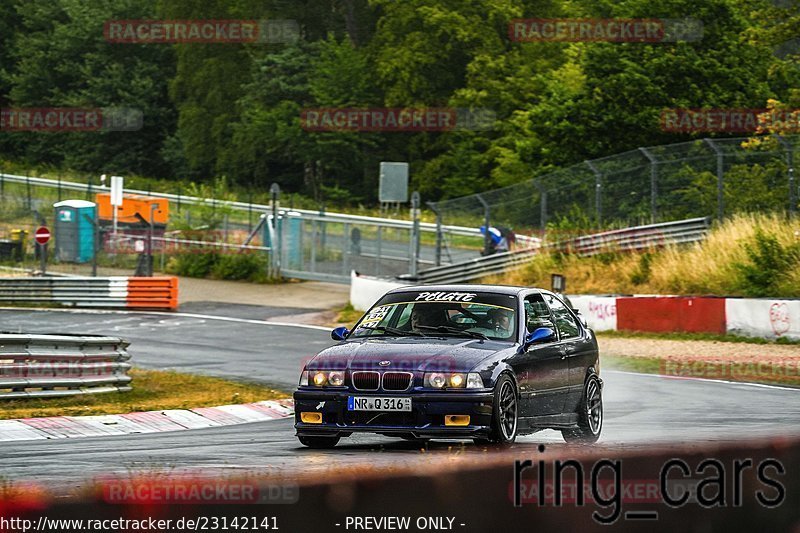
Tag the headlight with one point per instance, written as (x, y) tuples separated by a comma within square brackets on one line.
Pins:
[(336, 378), (474, 381), (436, 380), (322, 378), (304, 378), (455, 380)]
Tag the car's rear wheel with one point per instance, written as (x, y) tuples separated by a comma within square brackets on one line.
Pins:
[(590, 416), (505, 413), (318, 442)]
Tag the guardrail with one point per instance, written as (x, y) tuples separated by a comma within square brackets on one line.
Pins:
[(40, 366), (627, 239), (639, 237), (245, 206), (114, 292)]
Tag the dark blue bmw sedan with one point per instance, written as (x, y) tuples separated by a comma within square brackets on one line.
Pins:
[(455, 361)]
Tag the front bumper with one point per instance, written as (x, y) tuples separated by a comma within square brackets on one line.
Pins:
[(425, 420)]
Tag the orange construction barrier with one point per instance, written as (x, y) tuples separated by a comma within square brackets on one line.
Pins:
[(151, 293)]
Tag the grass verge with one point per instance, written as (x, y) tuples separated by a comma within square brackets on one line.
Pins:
[(347, 316), (693, 337), (153, 390), (764, 372)]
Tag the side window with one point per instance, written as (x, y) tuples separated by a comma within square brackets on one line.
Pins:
[(537, 314), (565, 322)]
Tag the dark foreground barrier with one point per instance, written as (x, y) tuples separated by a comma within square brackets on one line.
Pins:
[(753, 487)]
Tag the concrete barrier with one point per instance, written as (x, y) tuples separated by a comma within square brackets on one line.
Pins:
[(365, 290), (763, 318)]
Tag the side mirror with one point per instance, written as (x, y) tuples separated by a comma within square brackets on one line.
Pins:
[(540, 335), (581, 318), (340, 333)]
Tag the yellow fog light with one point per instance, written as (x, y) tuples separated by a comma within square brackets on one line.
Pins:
[(312, 418), (456, 380), (456, 420)]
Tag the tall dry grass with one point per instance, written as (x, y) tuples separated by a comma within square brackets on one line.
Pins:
[(709, 267)]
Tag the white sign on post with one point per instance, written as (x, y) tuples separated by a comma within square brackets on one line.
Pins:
[(116, 190)]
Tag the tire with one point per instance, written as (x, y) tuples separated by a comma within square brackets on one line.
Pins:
[(590, 416), (318, 442), (505, 413)]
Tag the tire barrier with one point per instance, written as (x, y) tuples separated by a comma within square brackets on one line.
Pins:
[(112, 292), (44, 366)]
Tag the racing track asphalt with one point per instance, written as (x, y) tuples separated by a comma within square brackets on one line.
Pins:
[(640, 410)]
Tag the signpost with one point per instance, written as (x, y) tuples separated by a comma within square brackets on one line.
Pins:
[(116, 201), (42, 237)]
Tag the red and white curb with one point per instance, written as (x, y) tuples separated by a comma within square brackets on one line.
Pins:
[(70, 427)]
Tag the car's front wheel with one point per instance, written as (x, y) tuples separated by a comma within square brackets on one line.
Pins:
[(318, 442), (590, 416), (505, 413)]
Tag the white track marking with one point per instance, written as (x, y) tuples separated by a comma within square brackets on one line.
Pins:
[(707, 380), (175, 314)]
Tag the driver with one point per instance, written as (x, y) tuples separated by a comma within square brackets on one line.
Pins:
[(426, 315), (500, 320)]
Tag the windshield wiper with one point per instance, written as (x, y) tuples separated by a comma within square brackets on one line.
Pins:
[(393, 331), (455, 331)]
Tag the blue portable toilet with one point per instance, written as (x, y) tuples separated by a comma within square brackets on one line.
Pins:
[(74, 231)]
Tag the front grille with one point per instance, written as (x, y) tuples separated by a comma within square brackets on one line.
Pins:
[(396, 381), (366, 380)]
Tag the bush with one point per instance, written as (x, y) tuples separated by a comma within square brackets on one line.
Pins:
[(248, 267), (768, 262)]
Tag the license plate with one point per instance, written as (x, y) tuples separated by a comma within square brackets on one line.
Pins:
[(370, 403)]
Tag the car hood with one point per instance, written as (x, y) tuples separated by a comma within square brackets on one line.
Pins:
[(407, 354)]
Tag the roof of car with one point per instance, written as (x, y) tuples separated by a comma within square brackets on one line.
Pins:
[(498, 289)]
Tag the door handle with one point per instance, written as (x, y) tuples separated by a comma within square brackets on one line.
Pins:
[(563, 350)]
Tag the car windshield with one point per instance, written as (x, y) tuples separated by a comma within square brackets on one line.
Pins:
[(441, 314)]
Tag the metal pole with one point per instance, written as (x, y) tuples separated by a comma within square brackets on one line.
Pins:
[(275, 245), (487, 238), (542, 207), (378, 251), (439, 236), (790, 171), (414, 233), (43, 258), (598, 186), (653, 184), (720, 177)]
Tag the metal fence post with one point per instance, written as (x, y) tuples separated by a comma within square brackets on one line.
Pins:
[(542, 207), (275, 245), (439, 233), (414, 233), (653, 184), (790, 171), (598, 187), (720, 178), (487, 237)]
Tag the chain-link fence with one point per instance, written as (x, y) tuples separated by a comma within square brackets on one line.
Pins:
[(706, 177)]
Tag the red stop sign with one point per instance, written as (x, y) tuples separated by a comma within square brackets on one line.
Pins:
[(42, 235)]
